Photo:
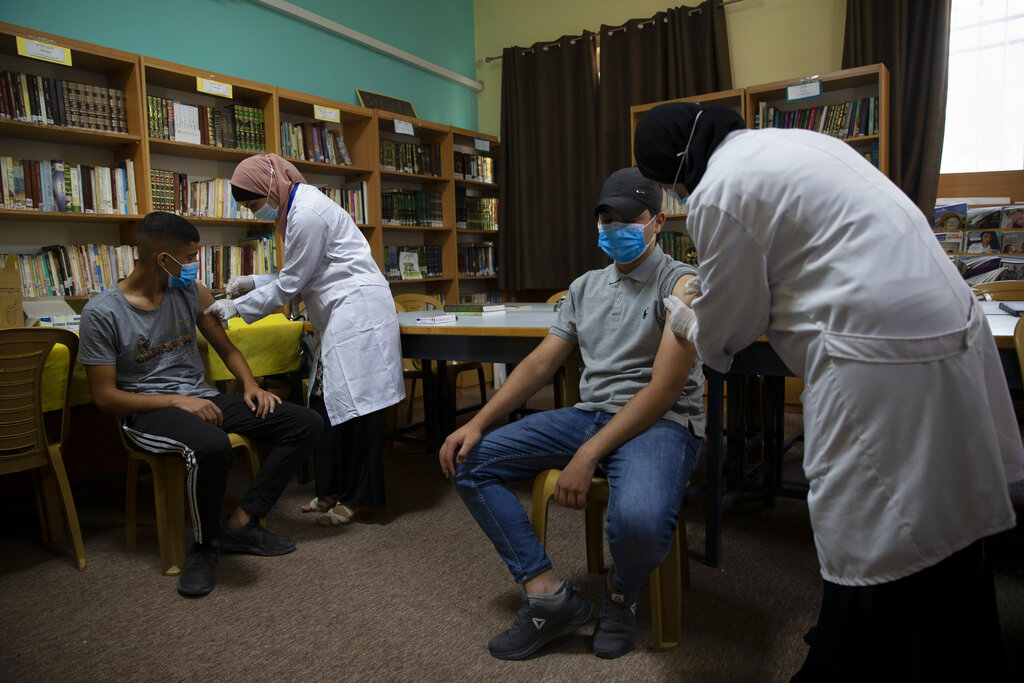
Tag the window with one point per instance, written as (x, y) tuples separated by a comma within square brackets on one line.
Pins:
[(985, 101)]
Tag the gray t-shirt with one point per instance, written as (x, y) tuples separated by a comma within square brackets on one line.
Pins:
[(154, 351), (617, 320)]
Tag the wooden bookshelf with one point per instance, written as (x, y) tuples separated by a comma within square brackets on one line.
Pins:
[(481, 150), (837, 88)]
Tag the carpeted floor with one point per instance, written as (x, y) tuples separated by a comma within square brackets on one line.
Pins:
[(411, 594)]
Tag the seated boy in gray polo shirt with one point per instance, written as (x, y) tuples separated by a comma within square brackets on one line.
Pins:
[(639, 423)]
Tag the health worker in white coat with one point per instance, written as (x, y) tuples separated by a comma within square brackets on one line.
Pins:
[(358, 365), (910, 437)]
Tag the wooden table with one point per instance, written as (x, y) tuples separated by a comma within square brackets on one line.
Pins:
[(498, 338)]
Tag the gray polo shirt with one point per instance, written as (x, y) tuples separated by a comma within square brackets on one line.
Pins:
[(154, 351), (617, 319)]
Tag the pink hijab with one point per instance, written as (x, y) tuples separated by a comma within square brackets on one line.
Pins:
[(254, 174)]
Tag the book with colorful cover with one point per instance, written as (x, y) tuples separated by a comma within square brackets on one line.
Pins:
[(1012, 217), (984, 218), (950, 217), (951, 242)]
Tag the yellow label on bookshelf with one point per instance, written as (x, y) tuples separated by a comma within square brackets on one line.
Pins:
[(213, 87), (326, 113), (44, 51)]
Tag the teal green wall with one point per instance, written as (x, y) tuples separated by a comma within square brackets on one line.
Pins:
[(242, 39)]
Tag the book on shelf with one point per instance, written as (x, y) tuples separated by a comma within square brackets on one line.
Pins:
[(232, 126), (412, 208), (982, 241), (409, 264), (1013, 242), (473, 167), (475, 308), (951, 242), (1013, 217), (856, 118), (428, 258), (351, 197), (74, 270), (207, 197), (411, 157), (476, 259), (987, 218), (679, 246), (315, 141), (220, 262), (974, 269), (950, 217)]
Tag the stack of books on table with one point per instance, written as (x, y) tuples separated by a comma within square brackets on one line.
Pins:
[(474, 309)]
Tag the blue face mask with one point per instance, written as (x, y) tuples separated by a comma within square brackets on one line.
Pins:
[(187, 275), (623, 242), (266, 212)]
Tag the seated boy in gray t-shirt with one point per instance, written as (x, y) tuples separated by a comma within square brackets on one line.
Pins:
[(138, 343), (639, 423)]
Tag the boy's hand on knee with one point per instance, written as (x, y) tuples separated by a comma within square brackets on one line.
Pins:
[(456, 447), (573, 485), (200, 407)]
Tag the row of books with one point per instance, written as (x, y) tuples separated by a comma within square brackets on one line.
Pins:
[(351, 197), (233, 126), (473, 167), (845, 120), (956, 216), (315, 142), (480, 298), (476, 259), (411, 207), (427, 258), (68, 188), (475, 213), (982, 241), (75, 270), (679, 246), (55, 102), (210, 197), (411, 157), (977, 270), (218, 263)]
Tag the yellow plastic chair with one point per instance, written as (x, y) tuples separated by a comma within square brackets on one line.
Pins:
[(453, 368), (25, 443), (1004, 290), (169, 492), (667, 582)]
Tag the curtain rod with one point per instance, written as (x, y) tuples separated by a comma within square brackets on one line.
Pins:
[(723, 3), (325, 24)]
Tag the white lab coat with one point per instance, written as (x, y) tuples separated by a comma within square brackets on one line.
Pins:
[(910, 436), (327, 262)]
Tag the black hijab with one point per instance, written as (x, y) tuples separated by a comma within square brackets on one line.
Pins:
[(662, 134)]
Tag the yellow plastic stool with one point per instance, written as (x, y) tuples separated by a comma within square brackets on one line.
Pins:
[(667, 581), (169, 496)]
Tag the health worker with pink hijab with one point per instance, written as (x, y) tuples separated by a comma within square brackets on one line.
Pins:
[(357, 368)]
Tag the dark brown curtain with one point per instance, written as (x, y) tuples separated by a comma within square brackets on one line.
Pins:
[(549, 178), (680, 52), (911, 37)]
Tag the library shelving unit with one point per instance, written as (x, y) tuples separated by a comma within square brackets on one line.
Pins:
[(252, 108), (417, 203), (475, 157), (839, 91), (358, 181), (57, 80)]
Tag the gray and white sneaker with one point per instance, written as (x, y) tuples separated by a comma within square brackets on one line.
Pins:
[(540, 622), (615, 633)]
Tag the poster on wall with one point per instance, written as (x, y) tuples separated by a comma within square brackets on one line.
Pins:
[(373, 100)]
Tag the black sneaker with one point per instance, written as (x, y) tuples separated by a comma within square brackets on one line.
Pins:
[(538, 624), (253, 540), (615, 633), (196, 578)]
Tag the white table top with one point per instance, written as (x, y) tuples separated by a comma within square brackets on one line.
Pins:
[(1000, 322), (535, 316)]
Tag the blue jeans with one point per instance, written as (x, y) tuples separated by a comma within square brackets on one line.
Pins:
[(646, 478)]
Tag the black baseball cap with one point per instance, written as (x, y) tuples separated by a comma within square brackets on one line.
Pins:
[(629, 194)]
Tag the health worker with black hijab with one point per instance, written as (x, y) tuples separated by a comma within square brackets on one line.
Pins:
[(909, 433)]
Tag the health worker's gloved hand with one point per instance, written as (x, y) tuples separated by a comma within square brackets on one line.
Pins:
[(682, 319), (692, 287), (223, 310), (239, 285)]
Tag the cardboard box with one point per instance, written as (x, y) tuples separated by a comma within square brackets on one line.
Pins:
[(11, 314)]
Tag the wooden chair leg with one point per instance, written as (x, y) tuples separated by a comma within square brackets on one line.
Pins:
[(412, 396), (483, 384), (595, 537), (51, 520), (667, 584), (169, 492), (130, 502), (70, 513), (543, 487)]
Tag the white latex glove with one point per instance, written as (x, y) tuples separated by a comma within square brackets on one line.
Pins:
[(223, 310), (682, 319), (239, 285), (692, 287)]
